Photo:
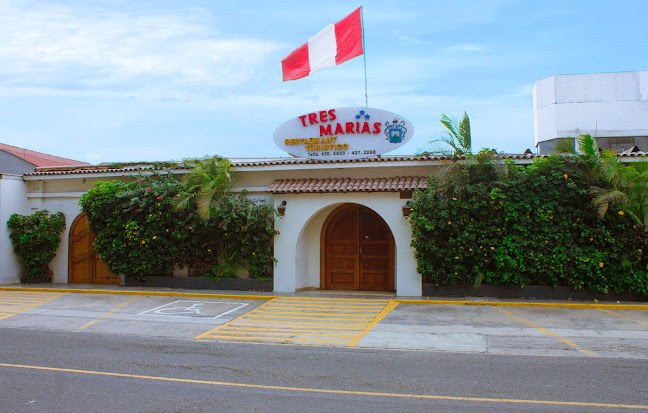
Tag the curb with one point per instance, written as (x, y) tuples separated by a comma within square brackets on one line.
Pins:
[(126, 292), (397, 300), (523, 304)]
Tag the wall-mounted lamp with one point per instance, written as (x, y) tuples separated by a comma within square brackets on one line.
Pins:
[(406, 209), (281, 209)]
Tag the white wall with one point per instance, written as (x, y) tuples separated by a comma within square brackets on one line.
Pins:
[(297, 247), (601, 104), (13, 200), (41, 195)]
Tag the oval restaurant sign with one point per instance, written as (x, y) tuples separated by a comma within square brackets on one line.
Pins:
[(343, 133)]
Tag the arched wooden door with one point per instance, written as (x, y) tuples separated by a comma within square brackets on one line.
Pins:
[(358, 251), (84, 264)]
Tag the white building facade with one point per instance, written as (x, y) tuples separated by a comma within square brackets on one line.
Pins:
[(343, 225), (613, 107)]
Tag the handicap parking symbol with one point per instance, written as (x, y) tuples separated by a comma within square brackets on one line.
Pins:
[(203, 309)]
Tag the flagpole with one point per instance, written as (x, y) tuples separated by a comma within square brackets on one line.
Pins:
[(364, 55)]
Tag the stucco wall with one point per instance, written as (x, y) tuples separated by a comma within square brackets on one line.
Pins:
[(41, 196), (297, 248), (601, 104), (13, 200), (11, 164)]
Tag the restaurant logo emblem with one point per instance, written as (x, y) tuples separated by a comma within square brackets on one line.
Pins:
[(395, 131)]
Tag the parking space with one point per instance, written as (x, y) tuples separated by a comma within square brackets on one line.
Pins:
[(365, 322), (144, 315), (305, 320), (589, 332)]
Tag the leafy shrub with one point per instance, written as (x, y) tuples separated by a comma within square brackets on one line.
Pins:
[(533, 225), (35, 238), (140, 232)]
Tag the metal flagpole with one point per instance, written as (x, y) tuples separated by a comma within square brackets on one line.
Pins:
[(364, 54)]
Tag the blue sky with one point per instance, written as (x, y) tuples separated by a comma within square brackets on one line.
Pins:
[(115, 81)]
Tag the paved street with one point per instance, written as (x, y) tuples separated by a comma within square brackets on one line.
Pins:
[(64, 351)]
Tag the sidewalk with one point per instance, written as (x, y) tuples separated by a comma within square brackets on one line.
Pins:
[(337, 319), (265, 295)]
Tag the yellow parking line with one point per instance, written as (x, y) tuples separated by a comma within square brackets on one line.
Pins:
[(332, 300), (623, 316), (311, 318), (345, 326), (207, 334), (333, 391), (388, 309), (296, 323), (547, 332), (306, 330), (286, 305), (12, 303), (370, 314), (283, 333), (107, 314), (318, 340)]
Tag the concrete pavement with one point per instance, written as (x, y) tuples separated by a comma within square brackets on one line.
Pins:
[(382, 321)]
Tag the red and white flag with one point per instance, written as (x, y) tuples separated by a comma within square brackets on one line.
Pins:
[(336, 44)]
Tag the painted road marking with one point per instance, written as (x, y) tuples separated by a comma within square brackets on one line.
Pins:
[(623, 316), (547, 332), (14, 302), (199, 309), (332, 391), (124, 304), (305, 320)]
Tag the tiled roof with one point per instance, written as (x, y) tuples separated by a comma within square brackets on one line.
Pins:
[(248, 163), (37, 158), (398, 158), (134, 167), (401, 183)]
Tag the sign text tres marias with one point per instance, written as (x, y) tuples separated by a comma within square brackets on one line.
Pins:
[(343, 133)]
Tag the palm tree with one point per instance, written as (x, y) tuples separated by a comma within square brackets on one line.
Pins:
[(209, 180), (614, 183), (458, 135)]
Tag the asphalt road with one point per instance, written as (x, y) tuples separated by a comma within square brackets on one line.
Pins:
[(63, 371)]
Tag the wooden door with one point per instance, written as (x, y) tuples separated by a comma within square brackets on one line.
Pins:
[(84, 264), (358, 251)]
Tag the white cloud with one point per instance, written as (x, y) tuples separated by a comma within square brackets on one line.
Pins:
[(55, 47)]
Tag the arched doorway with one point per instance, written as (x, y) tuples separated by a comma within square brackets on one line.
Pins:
[(357, 250), (84, 264)]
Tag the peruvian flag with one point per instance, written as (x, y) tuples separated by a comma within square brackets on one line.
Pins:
[(336, 44)]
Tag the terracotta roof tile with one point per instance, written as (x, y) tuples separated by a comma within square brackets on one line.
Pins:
[(402, 183), (37, 158), (242, 163)]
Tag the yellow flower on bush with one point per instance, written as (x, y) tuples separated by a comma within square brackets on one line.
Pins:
[(143, 242), (449, 222), (621, 212), (566, 176), (154, 237), (492, 248), (456, 258), (601, 264)]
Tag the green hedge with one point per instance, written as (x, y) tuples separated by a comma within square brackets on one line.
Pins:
[(140, 232), (514, 225), (35, 239)]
